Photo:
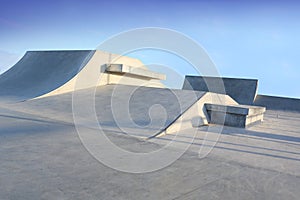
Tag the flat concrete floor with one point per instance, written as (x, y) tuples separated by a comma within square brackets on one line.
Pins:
[(41, 157)]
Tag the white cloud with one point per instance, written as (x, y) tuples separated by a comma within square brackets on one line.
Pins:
[(7, 60)]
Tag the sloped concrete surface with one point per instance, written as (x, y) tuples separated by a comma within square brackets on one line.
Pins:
[(150, 110), (241, 90), (278, 103), (40, 72), (41, 157), (46, 73)]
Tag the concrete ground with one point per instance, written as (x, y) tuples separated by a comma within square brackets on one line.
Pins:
[(41, 157)]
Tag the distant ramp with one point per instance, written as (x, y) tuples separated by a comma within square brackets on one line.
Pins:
[(40, 72), (278, 103), (46, 73), (241, 90)]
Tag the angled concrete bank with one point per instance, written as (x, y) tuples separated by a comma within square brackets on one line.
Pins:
[(137, 111), (241, 90), (278, 103)]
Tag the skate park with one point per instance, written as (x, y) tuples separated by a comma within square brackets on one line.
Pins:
[(56, 73), (49, 102)]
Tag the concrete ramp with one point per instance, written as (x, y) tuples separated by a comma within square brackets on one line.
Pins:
[(134, 110), (278, 103), (40, 72), (95, 84), (142, 111), (241, 90), (46, 73)]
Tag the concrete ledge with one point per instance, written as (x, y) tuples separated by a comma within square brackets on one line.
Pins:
[(125, 69), (234, 115), (236, 109)]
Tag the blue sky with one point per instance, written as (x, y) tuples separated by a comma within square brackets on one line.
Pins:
[(251, 39)]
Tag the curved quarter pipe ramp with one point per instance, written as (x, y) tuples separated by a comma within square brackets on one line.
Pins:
[(40, 72)]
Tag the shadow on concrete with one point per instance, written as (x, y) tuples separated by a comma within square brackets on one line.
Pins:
[(247, 134), (266, 135)]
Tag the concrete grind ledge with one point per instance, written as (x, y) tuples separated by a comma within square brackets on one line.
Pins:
[(235, 115), (125, 69)]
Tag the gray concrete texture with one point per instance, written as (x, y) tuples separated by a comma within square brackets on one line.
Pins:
[(125, 69), (150, 110), (278, 103), (237, 109), (241, 116), (41, 157), (40, 72), (241, 90)]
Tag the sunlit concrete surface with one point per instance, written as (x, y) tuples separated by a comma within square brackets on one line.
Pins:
[(41, 157), (47, 73)]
